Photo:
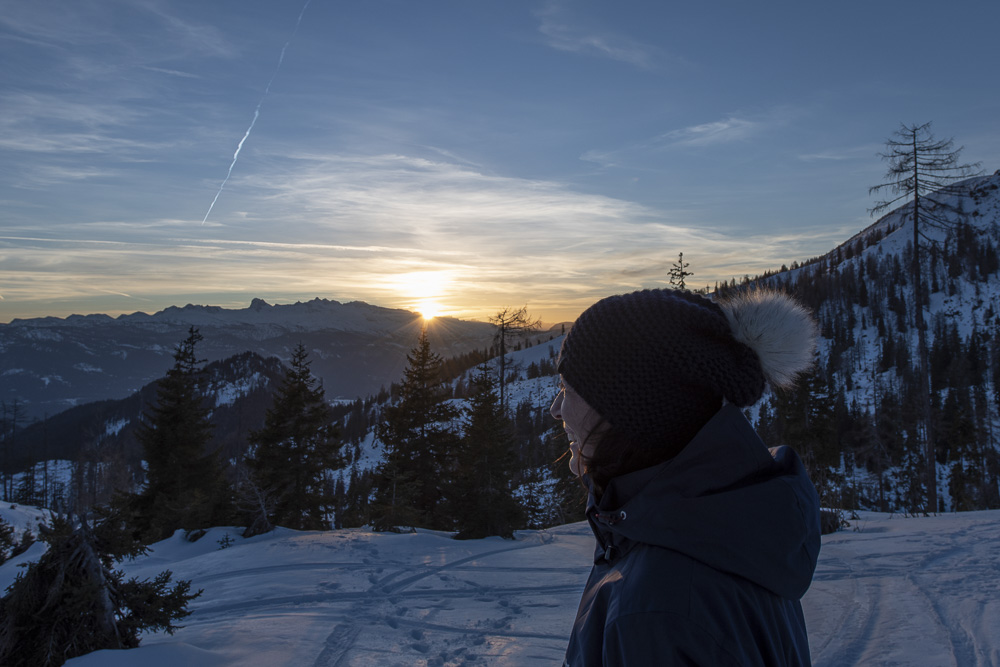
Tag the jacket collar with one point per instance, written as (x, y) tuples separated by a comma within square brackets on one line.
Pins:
[(725, 500)]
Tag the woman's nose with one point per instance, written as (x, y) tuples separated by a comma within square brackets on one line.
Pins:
[(556, 409)]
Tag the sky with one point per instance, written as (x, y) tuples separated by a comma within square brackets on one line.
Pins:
[(455, 157)]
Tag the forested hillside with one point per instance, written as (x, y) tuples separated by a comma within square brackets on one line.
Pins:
[(855, 418), (82, 454)]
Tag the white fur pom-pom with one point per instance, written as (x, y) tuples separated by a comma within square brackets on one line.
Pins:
[(777, 328)]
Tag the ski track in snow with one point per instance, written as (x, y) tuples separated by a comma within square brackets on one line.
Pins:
[(891, 591), (908, 594), (373, 610), (385, 599)]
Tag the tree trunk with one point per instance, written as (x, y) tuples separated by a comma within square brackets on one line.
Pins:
[(930, 450)]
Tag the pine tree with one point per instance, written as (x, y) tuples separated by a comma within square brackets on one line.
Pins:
[(7, 541), (679, 272), (71, 602), (483, 501), (359, 490), (184, 483), (294, 452), (419, 440)]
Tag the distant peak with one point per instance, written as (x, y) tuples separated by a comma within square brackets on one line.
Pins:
[(259, 304)]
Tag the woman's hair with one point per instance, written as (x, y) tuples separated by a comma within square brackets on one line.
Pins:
[(616, 454)]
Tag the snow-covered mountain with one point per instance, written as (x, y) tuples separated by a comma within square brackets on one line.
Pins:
[(49, 364), (857, 417)]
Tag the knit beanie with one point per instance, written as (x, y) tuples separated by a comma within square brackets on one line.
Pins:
[(656, 364)]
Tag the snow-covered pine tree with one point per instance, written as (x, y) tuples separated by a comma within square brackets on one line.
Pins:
[(71, 602)]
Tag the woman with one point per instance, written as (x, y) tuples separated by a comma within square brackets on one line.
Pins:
[(706, 539)]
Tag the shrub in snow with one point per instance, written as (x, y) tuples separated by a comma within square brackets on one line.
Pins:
[(831, 520)]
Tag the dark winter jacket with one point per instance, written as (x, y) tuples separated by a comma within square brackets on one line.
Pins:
[(702, 560)]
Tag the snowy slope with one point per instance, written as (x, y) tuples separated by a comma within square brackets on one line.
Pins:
[(21, 518), (892, 590)]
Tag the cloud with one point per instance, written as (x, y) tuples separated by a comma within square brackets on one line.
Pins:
[(58, 140), (867, 152), (347, 226), (344, 226), (45, 175), (431, 204), (561, 33), (97, 22), (710, 134), (41, 123), (171, 72), (730, 130), (196, 38)]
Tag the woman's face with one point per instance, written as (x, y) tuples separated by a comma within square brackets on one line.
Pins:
[(579, 420)]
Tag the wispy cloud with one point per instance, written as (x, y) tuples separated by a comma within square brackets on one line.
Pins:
[(709, 134), (730, 130), (563, 33), (45, 175), (346, 226), (58, 140), (201, 38), (867, 152), (171, 72)]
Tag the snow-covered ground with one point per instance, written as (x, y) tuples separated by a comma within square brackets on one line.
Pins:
[(889, 590), (908, 591)]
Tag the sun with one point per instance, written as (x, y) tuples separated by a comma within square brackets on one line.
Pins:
[(423, 291), (429, 310)]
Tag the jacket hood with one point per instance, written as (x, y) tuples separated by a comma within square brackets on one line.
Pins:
[(726, 500)]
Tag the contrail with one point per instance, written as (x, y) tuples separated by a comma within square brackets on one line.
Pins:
[(256, 113)]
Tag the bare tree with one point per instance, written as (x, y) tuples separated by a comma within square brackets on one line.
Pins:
[(510, 323), (12, 416), (926, 170), (257, 503)]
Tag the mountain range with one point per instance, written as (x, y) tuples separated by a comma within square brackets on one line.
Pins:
[(50, 364)]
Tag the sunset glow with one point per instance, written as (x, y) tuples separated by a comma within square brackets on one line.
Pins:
[(422, 291), (164, 153), (429, 310)]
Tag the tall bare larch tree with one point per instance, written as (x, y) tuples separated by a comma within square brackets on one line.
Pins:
[(927, 170)]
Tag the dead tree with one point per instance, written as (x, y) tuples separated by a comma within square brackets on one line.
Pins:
[(510, 323), (925, 170)]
